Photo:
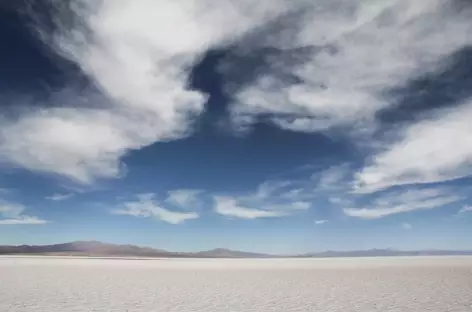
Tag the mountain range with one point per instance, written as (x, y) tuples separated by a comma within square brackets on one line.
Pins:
[(99, 249)]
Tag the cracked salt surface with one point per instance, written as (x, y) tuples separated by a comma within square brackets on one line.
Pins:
[(379, 284)]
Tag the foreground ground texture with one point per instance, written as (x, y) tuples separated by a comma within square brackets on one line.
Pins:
[(377, 284)]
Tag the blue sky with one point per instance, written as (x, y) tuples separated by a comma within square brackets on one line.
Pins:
[(256, 126)]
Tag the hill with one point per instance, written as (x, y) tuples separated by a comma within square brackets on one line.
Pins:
[(99, 249)]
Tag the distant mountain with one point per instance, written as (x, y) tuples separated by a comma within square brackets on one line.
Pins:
[(385, 253), (227, 253), (99, 249), (86, 248)]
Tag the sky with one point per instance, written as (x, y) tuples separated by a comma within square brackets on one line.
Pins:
[(272, 126)]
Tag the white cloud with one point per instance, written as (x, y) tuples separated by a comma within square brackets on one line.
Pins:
[(268, 188), (294, 194), (403, 202), (360, 50), (25, 220), (466, 209), (332, 178), (13, 214), (146, 207), (297, 205), (60, 197), (184, 198), (320, 222), (250, 207), (433, 150), (271, 199), (228, 206), (340, 201), (138, 53), (407, 226)]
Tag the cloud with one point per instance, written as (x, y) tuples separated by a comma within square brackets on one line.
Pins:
[(403, 202), (297, 205), (146, 207), (60, 197), (184, 198), (407, 226), (228, 206), (25, 220), (13, 214), (466, 209), (270, 199), (287, 197), (137, 53), (355, 52), (320, 222), (332, 178), (340, 200), (294, 194), (243, 206), (328, 64), (433, 150), (307, 186), (4, 191)]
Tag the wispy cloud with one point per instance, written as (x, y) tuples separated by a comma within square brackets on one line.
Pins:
[(271, 188), (228, 206), (310, 183), (337, 77), (332, 184), (271, 199), (433, 150), (60, 197), (407, 226), (4, 191), (320, 222), (338, 200), (147, 207), (403, 202), (13, 214), (286, 197), (333, 178), (466, 209), (341, 76), (184, 198), (25, 220), (137, 52)]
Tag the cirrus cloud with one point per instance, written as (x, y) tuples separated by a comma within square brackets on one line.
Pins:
[(229, 207), (14, 214), (60, 197), (404, 202), (147, 207), (433, 150)]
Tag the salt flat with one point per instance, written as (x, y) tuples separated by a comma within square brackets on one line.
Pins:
[(376, 284)]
